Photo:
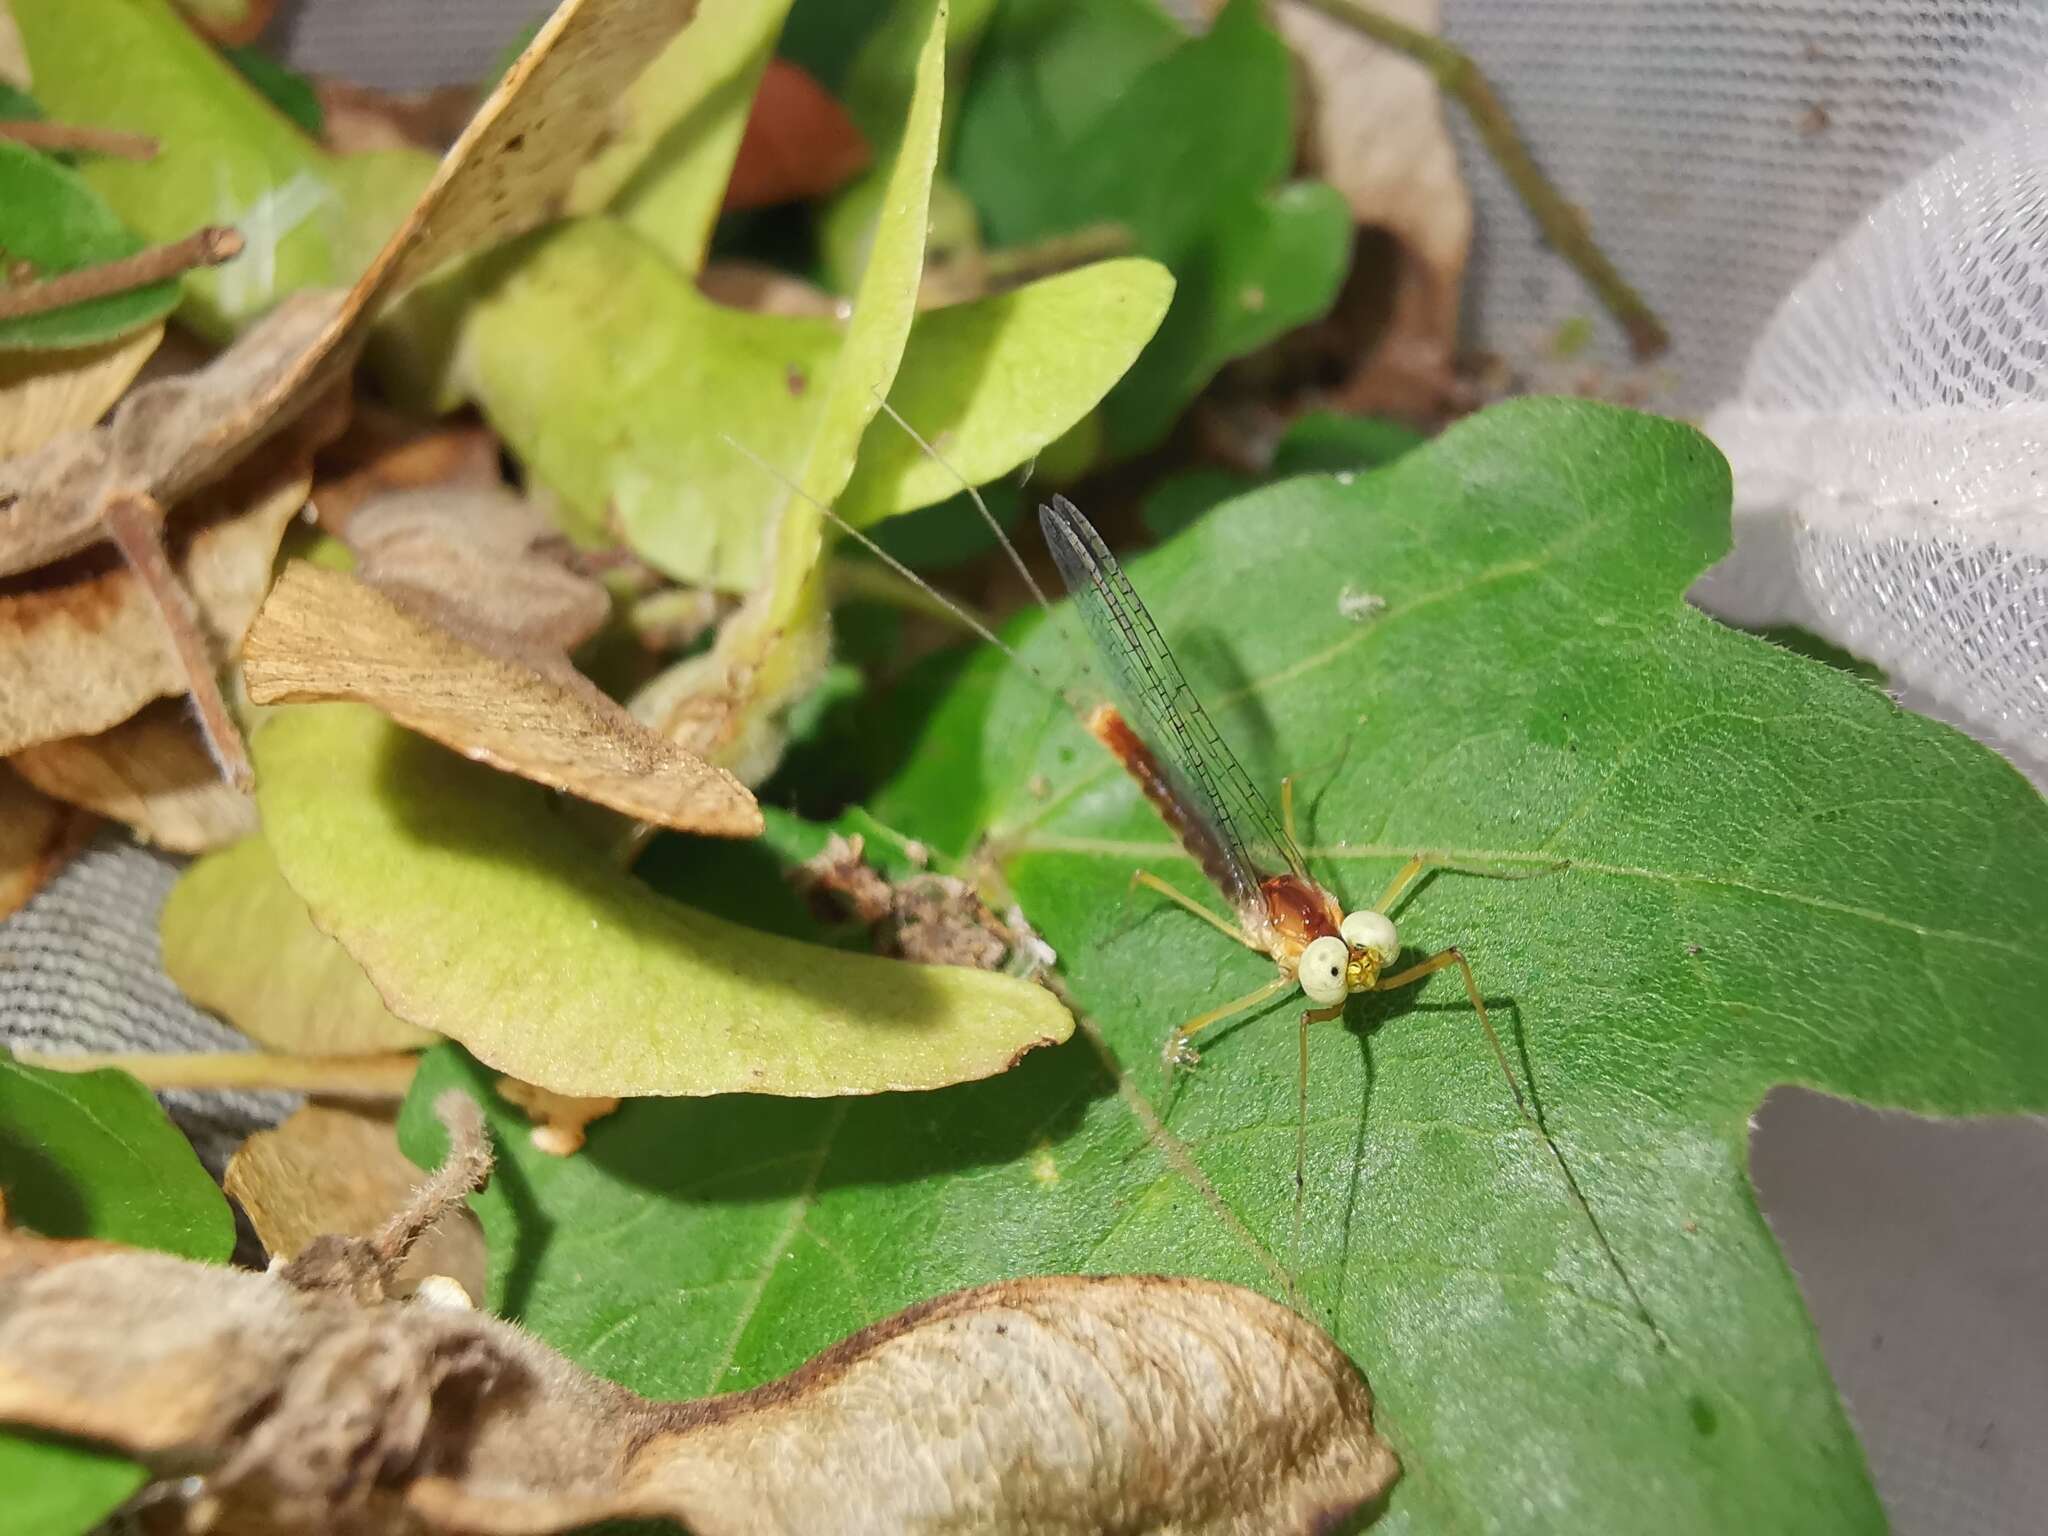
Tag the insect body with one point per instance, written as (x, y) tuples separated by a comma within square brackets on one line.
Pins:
[(1173, 750), (1168, 744)]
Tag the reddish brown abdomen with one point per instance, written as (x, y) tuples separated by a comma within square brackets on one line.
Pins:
[(1124, 744)]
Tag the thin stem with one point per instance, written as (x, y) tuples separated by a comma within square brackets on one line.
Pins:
[(136, 525), (37, 134), (381, 1076), (1563, 225), (208, 247)]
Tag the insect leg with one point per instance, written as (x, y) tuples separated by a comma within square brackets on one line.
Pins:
[(1178, 1053), (1308, 1016), (1425, 861), (1455, 956), (1287, 808), (1150, 881)]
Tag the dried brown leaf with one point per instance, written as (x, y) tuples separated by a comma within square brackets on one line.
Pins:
[(167, 438), (1080, 1404), (151, 772), (82, 643), (43, 394), (506, 174), (337, 1169), (1376, 131), (325, 635), (38, 836), (383, 452), (481, 557)]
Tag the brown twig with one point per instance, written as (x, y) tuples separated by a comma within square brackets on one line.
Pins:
[(208, 247), (136, 525), (37, 134), (1562, 223)]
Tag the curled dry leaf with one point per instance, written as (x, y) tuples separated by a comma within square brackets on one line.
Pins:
[(82, 641), (337, 1169), (151, 772), (325, 635), (38, 836), (1376, 132), (1059, 1404), (239, 943)]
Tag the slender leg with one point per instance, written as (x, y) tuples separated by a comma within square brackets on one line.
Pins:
[(1178, 1053), (1287, 808), (1424, 861), (1308, 1016), (1146, 878), (1454, 956)]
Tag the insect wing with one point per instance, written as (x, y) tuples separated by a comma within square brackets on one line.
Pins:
[(1163, 709)]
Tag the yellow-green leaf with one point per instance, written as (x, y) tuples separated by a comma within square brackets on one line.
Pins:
[(477, 909)]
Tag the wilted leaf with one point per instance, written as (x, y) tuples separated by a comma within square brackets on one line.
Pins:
[(382, 452), (151, 772), (474, 555), (562, 973), (337, 1169), (1071, 1403), (90, 1155), (1748, 903), (990, 383), (43, 394), (82, 643), (38, 836), (166, 439), (506, 174), (238, 942), (58, 224), (325, 635)]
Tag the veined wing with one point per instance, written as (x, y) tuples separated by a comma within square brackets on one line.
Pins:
[(1216, 794)]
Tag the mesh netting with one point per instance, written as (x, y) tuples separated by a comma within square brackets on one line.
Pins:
[(1838, 209)]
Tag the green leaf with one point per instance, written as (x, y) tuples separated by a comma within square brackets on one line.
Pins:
[(664, 169), (1325, 442), (226, 155), (1776, 876), (990, 383), (60, 224), (238, 942), (91, 1155), (285, 89), (1273, 263), (1082, 117), (478, 909)]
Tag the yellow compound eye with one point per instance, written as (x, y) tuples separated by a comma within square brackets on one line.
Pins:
[(1373, 931), (1322, 970)]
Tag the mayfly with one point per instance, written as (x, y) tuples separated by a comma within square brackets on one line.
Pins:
[(1165, 740)]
